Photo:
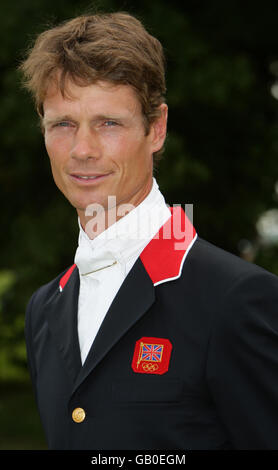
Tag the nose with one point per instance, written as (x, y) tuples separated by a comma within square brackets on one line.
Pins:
[(85, 144)]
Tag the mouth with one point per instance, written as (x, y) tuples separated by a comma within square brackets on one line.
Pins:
[(88, 179)]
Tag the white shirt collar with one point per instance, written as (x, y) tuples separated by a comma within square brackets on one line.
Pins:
[(124, 239)]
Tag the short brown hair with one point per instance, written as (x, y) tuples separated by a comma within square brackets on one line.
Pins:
[(113, 47)]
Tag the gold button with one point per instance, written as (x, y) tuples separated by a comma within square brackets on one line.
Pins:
[(78, 415)]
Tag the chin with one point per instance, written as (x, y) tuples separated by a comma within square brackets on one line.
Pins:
[(82, 205)]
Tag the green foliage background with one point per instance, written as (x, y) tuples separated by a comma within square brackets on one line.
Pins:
[(221, 153)]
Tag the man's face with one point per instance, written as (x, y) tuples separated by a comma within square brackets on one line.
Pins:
[(97, 145)]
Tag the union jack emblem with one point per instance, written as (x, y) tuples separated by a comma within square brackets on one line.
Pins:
[(151, 355), (152, 352)]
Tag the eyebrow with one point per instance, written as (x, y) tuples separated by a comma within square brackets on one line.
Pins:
[(50, 121)]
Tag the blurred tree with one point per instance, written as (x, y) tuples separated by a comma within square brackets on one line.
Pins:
[(221, 152)]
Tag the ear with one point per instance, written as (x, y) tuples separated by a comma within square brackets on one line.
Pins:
[(159, 128)]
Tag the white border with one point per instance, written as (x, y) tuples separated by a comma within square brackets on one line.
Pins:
[(181, 265)]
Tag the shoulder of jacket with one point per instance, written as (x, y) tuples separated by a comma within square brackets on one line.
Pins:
[(226, 266), (237, 286), (46, 290)]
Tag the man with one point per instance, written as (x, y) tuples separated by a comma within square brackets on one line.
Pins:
[(153, 338)]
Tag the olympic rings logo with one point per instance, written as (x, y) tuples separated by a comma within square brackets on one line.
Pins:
[(149, 366)]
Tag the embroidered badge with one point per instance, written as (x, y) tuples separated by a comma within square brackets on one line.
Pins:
[(151, 355)]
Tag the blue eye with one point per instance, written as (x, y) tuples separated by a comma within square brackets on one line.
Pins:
[(62, 124), (110, 123)]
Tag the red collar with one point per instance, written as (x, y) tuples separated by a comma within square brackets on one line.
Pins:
[(165, 254), (64, 279)]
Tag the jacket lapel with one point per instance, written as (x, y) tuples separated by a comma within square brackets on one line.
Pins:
[(61, 314), (127, 308)]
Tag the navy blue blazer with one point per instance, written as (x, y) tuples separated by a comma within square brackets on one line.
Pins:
[(186, 357)]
